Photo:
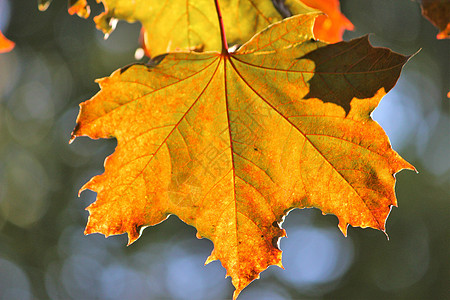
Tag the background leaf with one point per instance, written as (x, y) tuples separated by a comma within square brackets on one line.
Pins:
[(5, 44), (331, 26), (177, 26), (438, 13), (191, 25), (79, 7)]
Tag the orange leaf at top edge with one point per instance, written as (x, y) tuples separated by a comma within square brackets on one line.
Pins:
[(5, 44), (329, 27), (79, 7)]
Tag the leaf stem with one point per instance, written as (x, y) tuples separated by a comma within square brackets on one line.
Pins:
[(222, 29)]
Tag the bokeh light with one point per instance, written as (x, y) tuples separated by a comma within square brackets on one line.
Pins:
[(315, 256), (14, 283)]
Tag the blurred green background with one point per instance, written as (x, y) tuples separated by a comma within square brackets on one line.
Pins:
[(44, 254)]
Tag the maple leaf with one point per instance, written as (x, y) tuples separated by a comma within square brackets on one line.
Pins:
[(438, 13), (5, 44), (232, 142), (330, 27), (180, 25)]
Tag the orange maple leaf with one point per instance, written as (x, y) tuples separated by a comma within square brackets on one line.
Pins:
[(5, 44), (231, 142), (330, 27)]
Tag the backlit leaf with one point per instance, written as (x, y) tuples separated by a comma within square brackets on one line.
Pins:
[(232, 142), (180, 25), (330, 27)]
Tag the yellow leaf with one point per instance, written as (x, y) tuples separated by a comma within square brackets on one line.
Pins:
[(232, 142), (180, 25)]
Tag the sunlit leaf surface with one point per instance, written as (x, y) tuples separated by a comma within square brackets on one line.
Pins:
[(180, 25), (231, 142)]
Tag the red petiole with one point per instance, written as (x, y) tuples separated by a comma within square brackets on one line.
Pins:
[(222, 29)]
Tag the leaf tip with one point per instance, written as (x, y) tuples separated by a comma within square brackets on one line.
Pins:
[(343, 226), (74, 133), (87, 186), (236, 293), (72, 138), (88, 230), (211, 258), (80, 191), (412, 168), (132, 237), (405, 166)]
